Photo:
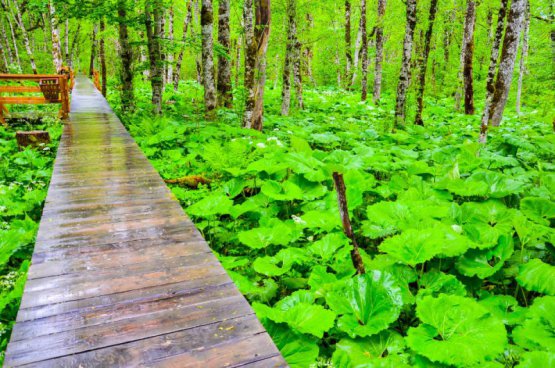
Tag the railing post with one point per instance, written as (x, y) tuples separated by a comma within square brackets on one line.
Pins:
[(64, 96)]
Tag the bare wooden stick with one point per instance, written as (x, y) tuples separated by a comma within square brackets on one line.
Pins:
[(344, 212)]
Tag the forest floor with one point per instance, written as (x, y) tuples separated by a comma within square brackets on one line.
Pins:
[(447, 226)]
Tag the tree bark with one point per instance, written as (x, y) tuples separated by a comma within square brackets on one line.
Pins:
[(153, 22), (490, 79), (297, 72), (507, 62), (404, 75), (468, 54), (523, 55), (169, 68), (225, 97), (346, 221), (379, 53), (9, 53), (19, 21), (4, 66), (179, 61), (308, 50), (93, 50), (126, 56), (14, 41), (289, 56), (348, 43), (33, 138), (66, 41), (102, 55), (424, 63), (55, 32), (73, 45), (356, 57), (206, 21), (250, 63), (364, 51)]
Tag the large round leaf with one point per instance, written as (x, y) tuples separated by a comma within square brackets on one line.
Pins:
[(536, 333), (537, 276), (367, 303), (456, 330)]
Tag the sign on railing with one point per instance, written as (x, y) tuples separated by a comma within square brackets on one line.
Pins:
[(55, 88)]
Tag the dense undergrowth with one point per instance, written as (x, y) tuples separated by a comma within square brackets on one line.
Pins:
[(457, 238), (24, 178)]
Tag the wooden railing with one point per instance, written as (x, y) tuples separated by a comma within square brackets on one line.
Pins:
[(55, 88)]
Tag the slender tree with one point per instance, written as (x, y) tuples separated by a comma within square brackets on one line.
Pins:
[(490, 79), (170, 37), (186, 23), (206, 21), (73, 45), (523, 56), (290, 54), (507, 62), (153, 21), (424, 63), (364, 51), (23, 29), (467, 54), (126, 57), (379, 53), (4, 65), (16, 58), (348, 45), (404, 75), (93, 50), (250, 63), (225, 97), (10, 56), (102, 54), (55, 32)]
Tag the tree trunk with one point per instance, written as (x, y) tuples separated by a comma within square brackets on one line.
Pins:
[(379, 53), (225, 98), (256, 39), (169, 69), (490, 79), (289, 55), (33, 138), (297, 73), (9, 53), (179, 61), (346, 221), (348, 43), (206, 21), (356, 57), (73, 44), (507, 62), (66, 43), (308, 51), (239, 43), (126, 56), (404, 75), (153, 23), (102, 56), (4, 66), (364, 51), (93, 50), (424, 63), (55, 32), (467, 56), (198, 59), (19, 20), (523, 55), (14, 41)]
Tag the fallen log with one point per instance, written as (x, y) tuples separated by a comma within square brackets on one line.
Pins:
[(32, 138), (191, 181)]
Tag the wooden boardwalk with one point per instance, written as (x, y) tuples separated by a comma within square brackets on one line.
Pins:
[(120, 276)]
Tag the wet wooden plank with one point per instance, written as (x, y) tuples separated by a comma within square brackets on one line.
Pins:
[(120, 276)]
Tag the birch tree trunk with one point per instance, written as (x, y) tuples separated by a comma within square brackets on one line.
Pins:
[(179, 61), (73, 44), (297, 72), (239, 43), (523, 55), (379, 53), (102, 55), (206, 21), (8, 52), (198, 60), (348, 43), (55, 32), (290, 53), (4, 66), (19, 20), (308, 50), (424, 63), (262, 36), (404, 75), (225, 97), (250, 63), (468, 54), (507, 62), (14, 41), (490, 85), (169, 69), (153, 22), (364, 51), (93, 50), (66, 41), (126, 56), (356, 58)]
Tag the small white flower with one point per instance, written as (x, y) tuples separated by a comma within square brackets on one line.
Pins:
[(3, 208), (260, 145), (310, 238), (269, 139), (457, 228), (276, 129), (279, 143), (289, 132), (298, 220)]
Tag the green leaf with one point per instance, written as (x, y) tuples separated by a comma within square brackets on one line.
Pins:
[(540, 210), (215, 204), (537, 276), (504, 307), (327, 247), (454, 330), (286, 191), (434, 283), (367, 303), (484, 263), (536, 333), (258, 238), (381, 350), (537, 359), (281, 263)]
